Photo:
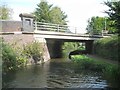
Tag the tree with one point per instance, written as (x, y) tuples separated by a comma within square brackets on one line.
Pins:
[(49, 14), (6, 12), (57, 16), (98, 24), (42, 12), (114, 14)]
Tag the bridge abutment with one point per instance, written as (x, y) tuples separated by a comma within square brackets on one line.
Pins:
[(54, 48), (89, 46)]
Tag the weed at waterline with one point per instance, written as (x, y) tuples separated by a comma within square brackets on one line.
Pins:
[(110, 72)]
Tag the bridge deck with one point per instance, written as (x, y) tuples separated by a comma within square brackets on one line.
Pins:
[(67, 36), (57, 35)]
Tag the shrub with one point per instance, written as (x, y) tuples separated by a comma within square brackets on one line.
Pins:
[(15, 57), (8, 57), (33, 50), (12, 57), (107, 47), (83, 61)]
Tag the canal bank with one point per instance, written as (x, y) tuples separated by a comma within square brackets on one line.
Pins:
[(110, 71), (96, 57)]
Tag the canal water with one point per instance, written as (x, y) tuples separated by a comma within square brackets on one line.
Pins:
[(56, 73)]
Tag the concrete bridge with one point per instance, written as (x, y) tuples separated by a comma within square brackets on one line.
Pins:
[(51, 35), (55, 40), (52, 41), (55, 35)]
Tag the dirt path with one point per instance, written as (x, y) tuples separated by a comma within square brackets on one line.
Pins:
[(103, 59)]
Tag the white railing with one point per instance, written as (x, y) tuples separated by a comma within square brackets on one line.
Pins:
[(51, 27)]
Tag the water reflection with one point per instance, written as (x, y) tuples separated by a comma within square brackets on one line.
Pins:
[(55, 74)]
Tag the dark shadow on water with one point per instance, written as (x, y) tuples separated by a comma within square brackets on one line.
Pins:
[(7, 77)]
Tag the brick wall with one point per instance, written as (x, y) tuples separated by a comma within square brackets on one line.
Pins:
[(11, 26), (18, 39)]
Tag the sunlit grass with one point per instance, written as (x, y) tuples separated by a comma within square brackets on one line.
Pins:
[(110, 72)]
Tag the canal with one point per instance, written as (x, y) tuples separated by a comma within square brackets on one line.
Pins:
[(56, 73)]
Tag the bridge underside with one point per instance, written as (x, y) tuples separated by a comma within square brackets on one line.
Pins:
[(55, 46)]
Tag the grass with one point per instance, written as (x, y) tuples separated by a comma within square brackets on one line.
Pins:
[(88, 63), (102, 47), (110, 72)]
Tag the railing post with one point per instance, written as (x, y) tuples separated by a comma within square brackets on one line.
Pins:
[(35, 26), (58, 27), (102, 32), (75, 30)]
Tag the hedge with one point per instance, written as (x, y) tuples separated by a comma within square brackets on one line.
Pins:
[(107, 47)]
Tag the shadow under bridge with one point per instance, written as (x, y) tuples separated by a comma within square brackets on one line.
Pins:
[(55, 46)]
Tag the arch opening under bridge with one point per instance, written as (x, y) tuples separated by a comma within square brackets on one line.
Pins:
[(55, 47)]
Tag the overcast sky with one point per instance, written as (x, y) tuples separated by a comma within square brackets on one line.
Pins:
[(78, 11)]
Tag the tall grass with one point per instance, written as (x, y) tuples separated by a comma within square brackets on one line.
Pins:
[(88, 63), (107, 47), (110, 72)]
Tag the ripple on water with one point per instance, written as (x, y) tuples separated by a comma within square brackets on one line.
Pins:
[(75, 81), (56, 75)]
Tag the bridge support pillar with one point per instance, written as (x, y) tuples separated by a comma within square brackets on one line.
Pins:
[(54, 47), (89, 46)]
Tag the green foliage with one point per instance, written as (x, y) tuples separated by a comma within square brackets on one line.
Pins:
[(97, 24), (71, 46), (57, 16), (107, 47), (15, 57), (33, 50), (78, 58), (114, 13), (5, 13), (110, 72), (87, 63), (11, 60), (8, 57), (49, 14), (42, 12)]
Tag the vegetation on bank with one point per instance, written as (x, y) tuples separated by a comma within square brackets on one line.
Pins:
[(10, 59), (87, 63), (14, 57), (72, 46), (107, 47), (33, 50), (110, 72)]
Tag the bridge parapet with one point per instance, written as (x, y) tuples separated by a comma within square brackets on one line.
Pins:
[(40, 26)]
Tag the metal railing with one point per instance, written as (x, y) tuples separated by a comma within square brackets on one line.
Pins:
[(51, 27)]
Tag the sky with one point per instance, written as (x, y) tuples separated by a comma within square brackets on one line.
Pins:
[(78, 11)]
